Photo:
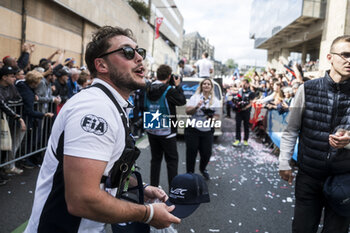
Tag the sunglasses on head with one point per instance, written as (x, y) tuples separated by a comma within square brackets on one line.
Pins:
[(128, 51)]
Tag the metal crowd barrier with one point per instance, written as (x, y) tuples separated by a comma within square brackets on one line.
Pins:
[(30, 142), (274, 126)]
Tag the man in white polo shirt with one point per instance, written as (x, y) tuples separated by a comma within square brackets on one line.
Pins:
[(88, 137), (204, 66)]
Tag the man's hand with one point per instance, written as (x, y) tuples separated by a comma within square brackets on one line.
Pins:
[(49, 114), (339, 141), (57, 100), (32, 48), (177, 81), (26, 47), (152, 193), (287, 175), (162, 217), (23, 124)]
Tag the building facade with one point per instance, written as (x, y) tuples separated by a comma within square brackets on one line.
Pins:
[(304, 27), (68, 25), (171, 32), (194, 45)]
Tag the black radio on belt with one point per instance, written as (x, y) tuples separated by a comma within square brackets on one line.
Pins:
[(122, 168)]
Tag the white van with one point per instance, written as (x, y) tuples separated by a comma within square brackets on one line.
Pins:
[(189, 86)]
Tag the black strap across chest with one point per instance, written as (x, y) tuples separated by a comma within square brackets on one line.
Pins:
[(122, 168), (120, 110)]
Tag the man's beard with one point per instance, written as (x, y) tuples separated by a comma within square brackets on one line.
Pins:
[(124, 80)]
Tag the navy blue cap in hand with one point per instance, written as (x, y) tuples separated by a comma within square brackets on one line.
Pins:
[(187, 192)]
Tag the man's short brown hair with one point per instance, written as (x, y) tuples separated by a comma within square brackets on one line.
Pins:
[(100, 44), (345, 38), (163, 72)]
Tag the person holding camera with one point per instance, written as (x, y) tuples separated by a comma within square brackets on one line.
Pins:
[(202, 107), (165, 92), (243, 103)]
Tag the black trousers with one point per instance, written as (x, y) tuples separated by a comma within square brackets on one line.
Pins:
[(308, 208), (198, 141), (242, 116), (161, 145), (228, 109)]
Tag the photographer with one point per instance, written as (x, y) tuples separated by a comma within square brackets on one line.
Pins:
[(202, 107), (167, 96), (243, 103)]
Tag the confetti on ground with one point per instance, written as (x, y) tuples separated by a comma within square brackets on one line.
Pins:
[(241, 171), (214, 230), (220, 148)]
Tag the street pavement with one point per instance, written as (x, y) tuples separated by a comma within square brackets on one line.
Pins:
[(246, 192)]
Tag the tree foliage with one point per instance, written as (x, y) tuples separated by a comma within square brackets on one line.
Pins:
[(141, 8), (230, 63)]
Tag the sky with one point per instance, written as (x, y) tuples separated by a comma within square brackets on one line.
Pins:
[(226, 24)]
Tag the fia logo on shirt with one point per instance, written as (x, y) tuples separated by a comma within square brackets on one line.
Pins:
[(93, 124)]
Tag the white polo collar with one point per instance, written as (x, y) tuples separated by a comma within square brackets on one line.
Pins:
[(123, 103)]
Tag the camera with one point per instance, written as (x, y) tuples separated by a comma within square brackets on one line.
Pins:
[(238, 102), (208, 112), (173, 77)]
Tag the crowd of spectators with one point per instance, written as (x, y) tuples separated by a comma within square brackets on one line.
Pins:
[(40, 89), (311, 66), (272, 91)]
